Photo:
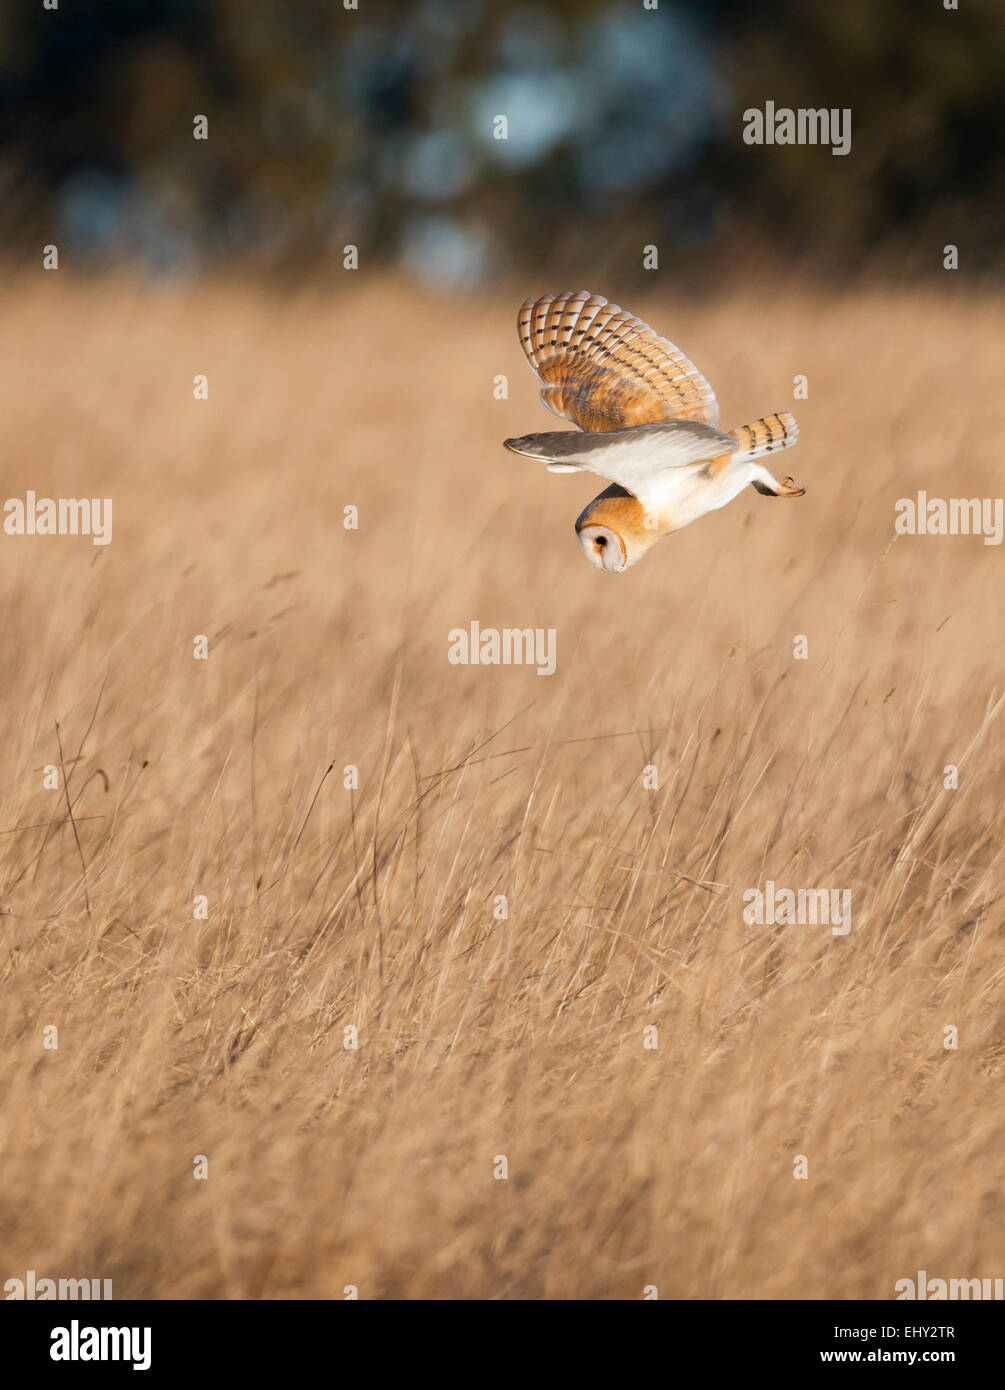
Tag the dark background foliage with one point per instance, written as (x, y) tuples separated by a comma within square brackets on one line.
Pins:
[(374, 126)]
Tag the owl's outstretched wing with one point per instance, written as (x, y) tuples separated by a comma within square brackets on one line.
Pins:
[(604, 369), (639, 457)]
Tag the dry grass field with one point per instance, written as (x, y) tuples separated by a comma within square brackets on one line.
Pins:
[(328, 907)]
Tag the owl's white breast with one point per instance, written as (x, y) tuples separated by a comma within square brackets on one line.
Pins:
[(681, 495)]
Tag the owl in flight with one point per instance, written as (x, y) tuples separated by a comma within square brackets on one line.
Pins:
[(648, 421)]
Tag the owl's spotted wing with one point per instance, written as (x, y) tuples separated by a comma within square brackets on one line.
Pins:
[(604, 369)]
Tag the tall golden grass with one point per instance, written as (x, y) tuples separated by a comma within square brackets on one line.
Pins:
[(375, 908)]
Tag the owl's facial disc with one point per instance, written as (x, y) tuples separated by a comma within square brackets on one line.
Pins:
[(603, 548)]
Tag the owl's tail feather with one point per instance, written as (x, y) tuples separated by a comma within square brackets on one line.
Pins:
[(767, 436)]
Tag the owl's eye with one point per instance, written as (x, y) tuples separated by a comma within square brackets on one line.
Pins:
[(603, 548)]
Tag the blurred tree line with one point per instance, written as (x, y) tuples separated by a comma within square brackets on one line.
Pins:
[(376, 126)]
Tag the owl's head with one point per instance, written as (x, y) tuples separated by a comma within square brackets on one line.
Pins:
[(612, 532)]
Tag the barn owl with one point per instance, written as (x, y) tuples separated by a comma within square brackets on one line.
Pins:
[(648, 422)]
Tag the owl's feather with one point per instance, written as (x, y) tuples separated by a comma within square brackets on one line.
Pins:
[(637, 458), (604, 369), (766, 436)]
